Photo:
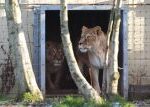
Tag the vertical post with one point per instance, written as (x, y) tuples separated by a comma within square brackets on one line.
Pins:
[(125, 54), (42, 42), (36, 56)]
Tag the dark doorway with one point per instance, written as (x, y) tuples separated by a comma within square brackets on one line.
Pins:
[(77, 19)]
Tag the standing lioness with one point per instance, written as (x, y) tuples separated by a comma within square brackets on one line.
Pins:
[(93, 42)]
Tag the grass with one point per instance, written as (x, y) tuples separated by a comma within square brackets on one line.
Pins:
[(70, 101), (28, 97), (5, 100)]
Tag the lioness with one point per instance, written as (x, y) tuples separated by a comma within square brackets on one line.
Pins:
[(93, 42)]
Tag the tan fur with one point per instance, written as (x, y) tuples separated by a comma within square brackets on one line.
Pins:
[(93, 42)]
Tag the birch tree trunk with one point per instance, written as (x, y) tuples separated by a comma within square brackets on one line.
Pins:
[(84, 87), (19, 52), (114, 47), (105, 84)]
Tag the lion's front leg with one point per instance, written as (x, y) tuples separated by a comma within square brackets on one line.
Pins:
[(95, 79), (49, 81), (58, 78)]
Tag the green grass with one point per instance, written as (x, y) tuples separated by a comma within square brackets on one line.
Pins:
[(70, 101), (28, 97), (5, 100)]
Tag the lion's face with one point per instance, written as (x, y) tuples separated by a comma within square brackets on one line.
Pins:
[(89, 38), (54, 54)]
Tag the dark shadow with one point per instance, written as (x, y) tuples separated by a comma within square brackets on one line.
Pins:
[(77, 19)]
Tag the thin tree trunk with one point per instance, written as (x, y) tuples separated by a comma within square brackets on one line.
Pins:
[(114, 73), (105, 85), (19, 51), (84, 87)]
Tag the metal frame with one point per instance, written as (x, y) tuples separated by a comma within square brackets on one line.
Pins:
[(125, 54), (42, 42), (36, 36), (76, 7), (43, 8)]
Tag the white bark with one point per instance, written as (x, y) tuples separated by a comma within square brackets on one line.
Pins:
[(19, 51), (105, 85), (114, 74), (83, 86)]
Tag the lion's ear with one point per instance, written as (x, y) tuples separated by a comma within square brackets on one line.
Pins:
[(98, 27), (84, 28), (98, 30)]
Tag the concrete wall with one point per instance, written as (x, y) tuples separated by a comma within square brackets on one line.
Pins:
[(6, 78), (138, 44)]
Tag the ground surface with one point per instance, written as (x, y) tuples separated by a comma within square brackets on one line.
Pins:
[(49, 102)]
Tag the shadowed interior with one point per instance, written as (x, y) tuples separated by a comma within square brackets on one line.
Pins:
[(77, 19)]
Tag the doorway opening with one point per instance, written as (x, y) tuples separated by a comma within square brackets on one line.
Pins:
[(77, 19)]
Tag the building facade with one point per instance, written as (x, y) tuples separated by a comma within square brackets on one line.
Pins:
[(135, 39)]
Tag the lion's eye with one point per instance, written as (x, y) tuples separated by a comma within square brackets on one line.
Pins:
[(88, 37)]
